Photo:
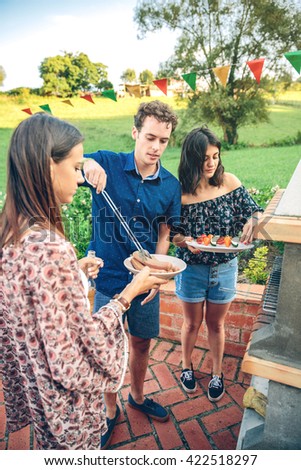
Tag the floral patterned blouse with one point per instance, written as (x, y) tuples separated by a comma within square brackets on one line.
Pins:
[(224, 215), (56, 359)]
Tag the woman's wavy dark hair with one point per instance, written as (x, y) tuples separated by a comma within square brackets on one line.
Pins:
[(193, 157), (30, 197)]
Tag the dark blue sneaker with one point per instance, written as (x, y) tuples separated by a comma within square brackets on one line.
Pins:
[(106, 438), (216, 388), (188, 380), (150, 408)]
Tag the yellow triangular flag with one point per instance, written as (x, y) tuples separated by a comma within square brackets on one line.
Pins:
[(134, 90), (68, 102), (222, 73)]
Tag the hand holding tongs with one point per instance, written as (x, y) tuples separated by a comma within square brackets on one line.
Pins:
[(144, 253)]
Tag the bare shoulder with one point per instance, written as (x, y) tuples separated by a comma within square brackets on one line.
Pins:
[(231, 182), (186, 198)]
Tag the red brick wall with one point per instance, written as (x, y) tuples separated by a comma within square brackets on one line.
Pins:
[(239, 319)]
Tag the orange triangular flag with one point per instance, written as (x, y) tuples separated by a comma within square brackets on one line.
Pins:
[(27, 110), (222, 73), (68, 102), (162, 84), (256, 68), (88, 98)]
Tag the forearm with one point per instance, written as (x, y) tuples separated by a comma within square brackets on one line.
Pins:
[(163, 242)]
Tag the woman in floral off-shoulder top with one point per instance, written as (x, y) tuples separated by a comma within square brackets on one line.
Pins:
[(215, 205), (56, 360)]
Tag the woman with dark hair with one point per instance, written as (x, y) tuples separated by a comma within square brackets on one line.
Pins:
[(56, 359), (213, 203)]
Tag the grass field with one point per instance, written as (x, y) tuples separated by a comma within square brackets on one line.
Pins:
[(107, 124)]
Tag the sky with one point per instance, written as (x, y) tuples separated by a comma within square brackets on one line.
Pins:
[(32, 30)]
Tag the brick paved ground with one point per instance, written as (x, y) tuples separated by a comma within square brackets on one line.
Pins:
[(194, 422)]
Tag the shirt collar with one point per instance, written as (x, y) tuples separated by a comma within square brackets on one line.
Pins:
[(131, 165)]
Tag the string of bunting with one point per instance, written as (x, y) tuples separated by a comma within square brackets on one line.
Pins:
[(222, 73)]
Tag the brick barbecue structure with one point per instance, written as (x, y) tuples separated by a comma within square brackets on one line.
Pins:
[(274, 352)]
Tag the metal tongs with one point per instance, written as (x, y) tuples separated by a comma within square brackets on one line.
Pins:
[(144, 253)]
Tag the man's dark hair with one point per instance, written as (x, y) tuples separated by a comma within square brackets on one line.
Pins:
[(161, 111)]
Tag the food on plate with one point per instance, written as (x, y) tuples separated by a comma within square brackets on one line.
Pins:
[(138, 262), (216, 240)]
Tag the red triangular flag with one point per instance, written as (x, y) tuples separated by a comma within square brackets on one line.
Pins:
[(27, 110), (88, 98), (256, 68), (162, 84)]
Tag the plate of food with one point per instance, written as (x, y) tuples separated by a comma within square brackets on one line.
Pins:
[(217, 244), (163, 266)]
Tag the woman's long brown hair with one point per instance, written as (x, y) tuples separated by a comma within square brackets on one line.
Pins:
[(192, 159), (30, 197)]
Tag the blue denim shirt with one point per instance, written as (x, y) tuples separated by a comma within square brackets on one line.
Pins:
[(143, 203)]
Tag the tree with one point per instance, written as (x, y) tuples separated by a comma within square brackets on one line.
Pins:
[(128, 76), (2, 75), (105, 85), (146, 77), (67, 75), (215, 33)]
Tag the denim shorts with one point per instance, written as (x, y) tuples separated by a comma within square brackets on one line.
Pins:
[(143, 320), (199, 282)]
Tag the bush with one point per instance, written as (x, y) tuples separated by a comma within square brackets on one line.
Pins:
[(77, 220), (256, 271), (263, 196), (22, 93)]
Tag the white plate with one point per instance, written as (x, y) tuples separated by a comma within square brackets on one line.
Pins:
[(221, 248), (171, 259)]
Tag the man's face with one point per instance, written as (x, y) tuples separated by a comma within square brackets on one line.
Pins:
[(151, 141)]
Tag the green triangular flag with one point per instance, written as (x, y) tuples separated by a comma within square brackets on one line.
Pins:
[(109, 94), (190, 78), (45, 107), (295, 59)]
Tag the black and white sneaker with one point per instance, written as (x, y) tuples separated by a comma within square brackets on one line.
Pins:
[(188, 380), (216, 388)]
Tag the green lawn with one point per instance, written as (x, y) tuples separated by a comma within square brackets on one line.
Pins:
[(255, 167), (107, 124)]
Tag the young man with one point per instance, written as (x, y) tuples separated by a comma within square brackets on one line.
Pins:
[(149, 198)]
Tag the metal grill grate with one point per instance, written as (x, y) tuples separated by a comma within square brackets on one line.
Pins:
[(270, 299)]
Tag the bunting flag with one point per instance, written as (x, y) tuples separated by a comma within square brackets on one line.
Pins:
[(109, 94), (256, 68), (134, 90), (68, 102), (190, 78), (45, 107), (27, 110), (161, 84), (295, 59), (88, 98), (222, 73)]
